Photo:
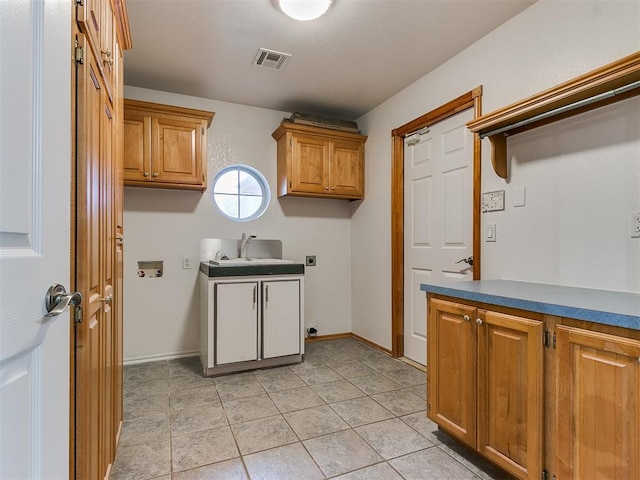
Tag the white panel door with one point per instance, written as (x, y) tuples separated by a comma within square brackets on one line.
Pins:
[(35, 159), (236, 322), (281, 318), (438, 216)]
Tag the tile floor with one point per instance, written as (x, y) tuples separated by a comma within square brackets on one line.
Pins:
[(348, 412)]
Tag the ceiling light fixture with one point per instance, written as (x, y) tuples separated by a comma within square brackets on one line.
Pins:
[(304, 9)]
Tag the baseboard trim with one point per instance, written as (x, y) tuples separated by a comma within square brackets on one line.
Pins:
[(355, 336), (160, 357)]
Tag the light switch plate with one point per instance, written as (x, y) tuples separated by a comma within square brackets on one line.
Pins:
[(493, 201), (490, 232)]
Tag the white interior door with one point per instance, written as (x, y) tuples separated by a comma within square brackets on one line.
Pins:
[(438, 216), (35, 156)]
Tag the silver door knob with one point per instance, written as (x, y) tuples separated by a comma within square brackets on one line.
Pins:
[(108, 299), (468, 261), (145, 174), (466, 318), (57, 300), (155, 174), (479, 321)]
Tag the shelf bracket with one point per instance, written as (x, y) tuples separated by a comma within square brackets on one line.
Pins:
[(499, 154)]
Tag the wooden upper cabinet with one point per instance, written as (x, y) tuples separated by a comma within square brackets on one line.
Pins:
[(96, 20), (319, 162), (598, 433), (165, 146)]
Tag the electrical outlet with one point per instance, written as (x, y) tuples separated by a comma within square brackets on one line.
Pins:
[(635, 225), (186, 263)]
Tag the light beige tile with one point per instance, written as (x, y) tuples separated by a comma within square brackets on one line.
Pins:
[(201, 448), (384, 364), (250, 408), (475, 463), (380, 471), (146, 429), (137, 391), (337, 391), (242, 388), (400, 402), (146, 372), (235, 378), (420, 390), (296, 399), (182, 382), (407, 376), (360, 411), (353, 369), (136, 407), (372, 384), (263, 434), (430, 463), (289, 462), (393, 438), (314, 422), (428, 429), (341, 452), (185, 366), (317, 375), (197, 418), (194, 396), (228, 470), (143, 461), (285, 380)]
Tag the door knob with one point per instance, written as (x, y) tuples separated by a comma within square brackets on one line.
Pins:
[(468, 261), (479, 321), (108, 299), (57, 300), (466, 318)]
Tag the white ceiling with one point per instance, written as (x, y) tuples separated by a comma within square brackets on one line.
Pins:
[(359, 54)]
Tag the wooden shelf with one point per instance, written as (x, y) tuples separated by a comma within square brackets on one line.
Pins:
[(604, 79)]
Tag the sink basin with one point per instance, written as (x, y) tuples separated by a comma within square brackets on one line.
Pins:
[(239, 262)]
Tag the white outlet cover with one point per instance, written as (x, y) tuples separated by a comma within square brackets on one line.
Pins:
[(635, 225)]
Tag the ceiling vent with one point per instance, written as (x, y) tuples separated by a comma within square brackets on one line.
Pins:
[(271, 59)]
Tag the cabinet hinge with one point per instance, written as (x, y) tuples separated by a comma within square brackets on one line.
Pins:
[(554, 340), (291, 142), (544, 475), (545, 338), (289, 183), (78, 54), (78, 314), (202, 130), (429, 406)]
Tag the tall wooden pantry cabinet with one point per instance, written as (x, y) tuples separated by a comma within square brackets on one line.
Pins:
[(100, 34)]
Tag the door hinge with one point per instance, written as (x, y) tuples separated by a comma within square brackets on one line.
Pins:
[(78, 54), (80, 3), (546, 338), (78, 314)]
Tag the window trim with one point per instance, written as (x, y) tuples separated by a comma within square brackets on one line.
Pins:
[(258, 176)]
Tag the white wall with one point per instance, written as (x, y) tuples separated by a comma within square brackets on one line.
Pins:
[(581, 184), (161, 315)]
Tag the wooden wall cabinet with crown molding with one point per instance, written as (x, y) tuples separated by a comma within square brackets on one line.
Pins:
[(319, 162), (165, 146)]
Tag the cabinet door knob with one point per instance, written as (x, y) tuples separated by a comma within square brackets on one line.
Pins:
[(333, 188), (155, 174), (326, 188), (479, 321), (466, 318), (145, 174)]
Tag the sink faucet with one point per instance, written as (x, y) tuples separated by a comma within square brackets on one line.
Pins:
[(244, 243)]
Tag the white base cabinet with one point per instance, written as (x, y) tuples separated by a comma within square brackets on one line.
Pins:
[(250, 322)]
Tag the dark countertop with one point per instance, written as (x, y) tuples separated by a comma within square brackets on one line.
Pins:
[(621, 309), (212, 270)]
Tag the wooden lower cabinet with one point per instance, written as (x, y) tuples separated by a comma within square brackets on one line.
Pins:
[(535, 394), (485, 377), (598, 396)]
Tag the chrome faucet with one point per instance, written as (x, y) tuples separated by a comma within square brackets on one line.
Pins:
[(244, 243)]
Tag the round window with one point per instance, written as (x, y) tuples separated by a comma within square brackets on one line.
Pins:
[(241, 193)]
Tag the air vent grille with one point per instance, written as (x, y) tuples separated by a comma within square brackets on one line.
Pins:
[(271, 59)]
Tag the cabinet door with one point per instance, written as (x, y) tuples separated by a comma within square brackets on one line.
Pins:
[(309, 164), (510, 399), (236, 322), (598, 407), (177, 150), (137, 146), (347, 168), (281, 318), (451, 374)]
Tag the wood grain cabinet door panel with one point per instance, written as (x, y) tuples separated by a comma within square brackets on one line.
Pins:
[(310, 164), (510, 395), (137, 146), (598, 400), (177, 150), (347, 168), (451, 374)]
